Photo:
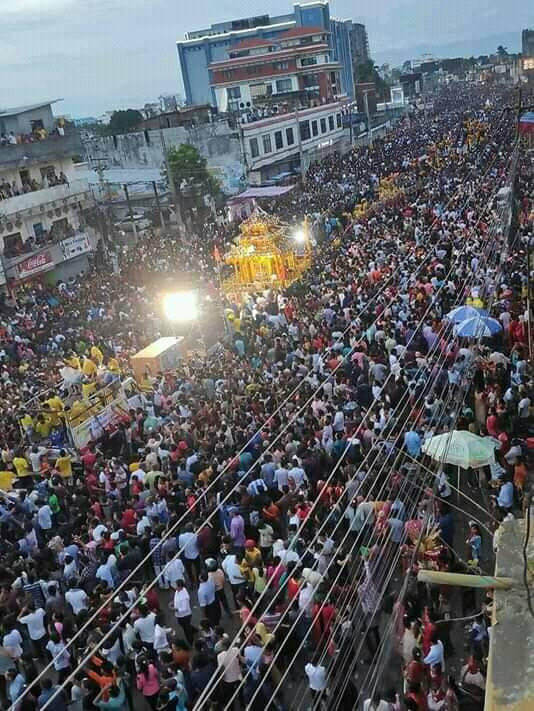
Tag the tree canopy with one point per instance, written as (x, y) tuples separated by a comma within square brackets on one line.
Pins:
[(125, 121), (367, 72), (188, 168)]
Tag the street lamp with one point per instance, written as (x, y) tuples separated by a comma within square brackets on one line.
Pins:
[(181, 306)]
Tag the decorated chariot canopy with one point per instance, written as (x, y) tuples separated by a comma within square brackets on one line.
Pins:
[(266, 254)]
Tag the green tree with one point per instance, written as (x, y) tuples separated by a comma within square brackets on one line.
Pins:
[(502, 51), (125, 121), (189, 169), (367, 72), (191, 178)]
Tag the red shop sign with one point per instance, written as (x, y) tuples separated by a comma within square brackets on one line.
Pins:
[(36, 263)]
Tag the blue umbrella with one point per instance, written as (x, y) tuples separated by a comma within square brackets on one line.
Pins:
[(479, 327), (462, 313)]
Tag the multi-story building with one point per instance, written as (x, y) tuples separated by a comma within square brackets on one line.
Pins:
[(286, 96), (359, 46), (274, 74), (42, 228), (527, 52), (202, 48)]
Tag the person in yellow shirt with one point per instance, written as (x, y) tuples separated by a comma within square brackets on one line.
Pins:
[(89, 367), (73, 362), (96, 355), (7, 477), (88, 389), (51, 415), (64, 464), (21, 464), (27, 424), (113, 365), (55, 403), (43, 427)]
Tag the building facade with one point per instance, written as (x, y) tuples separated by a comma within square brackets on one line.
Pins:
[(42, 228), (285, 145), (286, 96), (527, 52), (202, 48)]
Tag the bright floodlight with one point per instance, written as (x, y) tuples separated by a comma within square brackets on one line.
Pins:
[(181, 306), (300, 236)]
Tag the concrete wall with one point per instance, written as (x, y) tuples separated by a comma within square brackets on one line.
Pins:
[(216, 142)]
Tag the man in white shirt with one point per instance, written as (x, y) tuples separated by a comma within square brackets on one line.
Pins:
[(232, 571), (34, 621), (60, 656), (182, 610), (12, 643), (77, 599), (316, 674), (145, 625), (229, 660), (188, 544), (174, 571), (281, 478)]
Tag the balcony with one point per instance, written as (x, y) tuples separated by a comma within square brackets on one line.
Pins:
[(44, 197), (22, 154)]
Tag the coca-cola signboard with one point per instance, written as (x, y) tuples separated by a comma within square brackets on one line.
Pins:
[(35, 264)]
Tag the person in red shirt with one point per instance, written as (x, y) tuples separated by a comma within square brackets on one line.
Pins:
[(416, 694), (293, 585), (129, 519)]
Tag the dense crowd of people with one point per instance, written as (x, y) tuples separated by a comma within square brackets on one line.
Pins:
[(248, 534)]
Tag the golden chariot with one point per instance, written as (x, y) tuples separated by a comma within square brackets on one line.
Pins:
[(266, 255)]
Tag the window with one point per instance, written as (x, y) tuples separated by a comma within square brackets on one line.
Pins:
[(258, 90), (278, 140), (48, 171), (338, 120), (283, 85), (304, 127), (38, 229), (315, 128), (254, 148), (267, 145), (147, 137), (233, 92), (308, 61), (331, 123), (290, 138), (228, 74), (281, 65), (323, 125)]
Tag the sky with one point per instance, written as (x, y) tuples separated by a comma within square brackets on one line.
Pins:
[(107, 54)]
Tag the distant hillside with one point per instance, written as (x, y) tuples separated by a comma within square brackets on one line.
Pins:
[(465, 48)]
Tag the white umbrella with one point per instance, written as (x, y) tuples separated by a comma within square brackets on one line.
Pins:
[(462, 449)]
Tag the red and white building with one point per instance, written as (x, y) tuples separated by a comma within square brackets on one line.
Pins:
[(286, 95)]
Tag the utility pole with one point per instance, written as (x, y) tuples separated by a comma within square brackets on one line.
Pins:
[(301, 153), (369, 131), (158, 203), (130, 211), (172, 186), (99, 166)]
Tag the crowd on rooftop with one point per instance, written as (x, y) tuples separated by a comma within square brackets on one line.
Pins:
[(248, 534)]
